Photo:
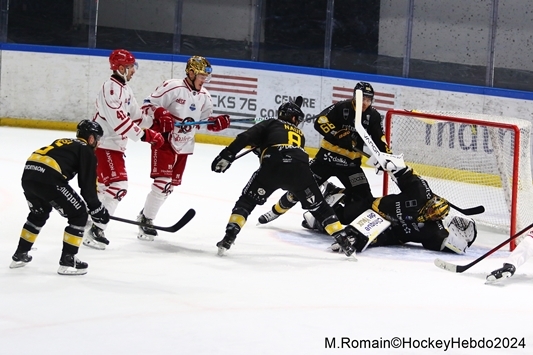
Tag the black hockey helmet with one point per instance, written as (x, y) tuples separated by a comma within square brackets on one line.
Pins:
[(366, 88), (87, 128), (290, 109)]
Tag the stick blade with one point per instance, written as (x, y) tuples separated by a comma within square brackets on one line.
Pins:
[(444, 265), (299, 101), (182, 222), (469, 211)]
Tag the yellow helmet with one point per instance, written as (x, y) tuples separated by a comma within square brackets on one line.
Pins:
[(437, 208), (199, 65)]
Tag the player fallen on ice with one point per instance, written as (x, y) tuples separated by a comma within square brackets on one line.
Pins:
[(416, 215), (284, 164), (340, 149)]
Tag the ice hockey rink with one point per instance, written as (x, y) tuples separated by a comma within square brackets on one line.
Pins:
[(277, 291)]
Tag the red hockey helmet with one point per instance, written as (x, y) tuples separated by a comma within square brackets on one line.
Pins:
[(121, 57)]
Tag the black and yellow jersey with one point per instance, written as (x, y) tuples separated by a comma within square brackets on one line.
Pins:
[(273, 135), (341, 115), (60, 162)]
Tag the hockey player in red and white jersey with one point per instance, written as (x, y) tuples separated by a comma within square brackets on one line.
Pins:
[(174, 103), (120, 116), (517, 258)]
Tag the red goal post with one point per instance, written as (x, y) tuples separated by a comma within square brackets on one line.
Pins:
[(470, 159)]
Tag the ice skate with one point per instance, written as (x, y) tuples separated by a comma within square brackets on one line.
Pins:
[(268, 217), (95, 238), (146, 232), (69, 264), (225, 244), (505, 272), (20, 260)]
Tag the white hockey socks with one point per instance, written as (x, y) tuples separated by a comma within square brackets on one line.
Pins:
[(522, 252), (160, 190)]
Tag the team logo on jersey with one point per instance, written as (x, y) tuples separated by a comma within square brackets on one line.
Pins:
[(192, 107), (346, 113), (180, 101), (121, 194)]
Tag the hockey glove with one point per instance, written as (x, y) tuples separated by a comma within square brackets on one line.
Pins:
[(99, 214), (372, 161), (223, 161), (344, 139), (153, 137), (220, 123), (163, 120)]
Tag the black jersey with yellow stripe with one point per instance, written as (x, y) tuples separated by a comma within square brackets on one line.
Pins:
[(341, 116), (60, 162), (272, 135)]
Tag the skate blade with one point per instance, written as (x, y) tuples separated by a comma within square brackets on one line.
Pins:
[(148, 238), (68, 270), (221, 251), (494, 280), (17, 264), (94, 244)]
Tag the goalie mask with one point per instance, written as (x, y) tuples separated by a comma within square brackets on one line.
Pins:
[(288, 110), (437, 208)]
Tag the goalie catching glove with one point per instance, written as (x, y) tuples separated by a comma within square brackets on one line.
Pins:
[(219, 123), (223, 161)]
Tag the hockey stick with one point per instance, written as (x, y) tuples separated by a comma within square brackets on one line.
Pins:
[(192, 123), (460, 268), (244, 153), (466, 211), (174, 228), (244, 120), (385, 159)]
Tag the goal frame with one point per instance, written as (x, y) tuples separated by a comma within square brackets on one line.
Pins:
[(387, 126)]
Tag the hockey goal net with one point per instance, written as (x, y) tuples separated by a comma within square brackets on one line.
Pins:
[(471, 160)]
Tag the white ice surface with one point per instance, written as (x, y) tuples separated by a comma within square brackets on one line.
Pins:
[(278, 291)]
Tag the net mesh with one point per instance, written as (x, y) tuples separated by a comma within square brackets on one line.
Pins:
[(470, 159)]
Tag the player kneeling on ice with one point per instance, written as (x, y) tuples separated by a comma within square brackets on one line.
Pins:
[(283, 164), (415, 215), (45, 183)]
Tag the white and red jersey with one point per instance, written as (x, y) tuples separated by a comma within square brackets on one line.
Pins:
[(119, 114), (183, 102)]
